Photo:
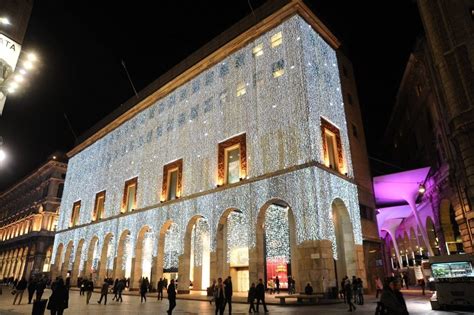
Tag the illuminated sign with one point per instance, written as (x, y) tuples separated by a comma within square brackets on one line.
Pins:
[(9, 52)]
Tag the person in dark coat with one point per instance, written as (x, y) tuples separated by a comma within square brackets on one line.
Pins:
[(251, 298), (308, 290), (120, 288), (260, 295), (160, 286), (31, 289), (20, 288), (392, 299), (219, 297), (103, 292), (114, 290), (171, 297), (40, 286), (68, 283), (277, 284), (58, 301), (228, 293), (348, 293), (89, 288), (143, 290)]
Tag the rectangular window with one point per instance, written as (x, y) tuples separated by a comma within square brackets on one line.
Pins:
[(232, 160), (257, 50), (278, 68), (241, 89), (332, 146), (172, 183), (172, 180), (354, 130), (331, 149), (276, 40), (99, 206), (129, 202), (232, 164), (76, 208), (349, 98)]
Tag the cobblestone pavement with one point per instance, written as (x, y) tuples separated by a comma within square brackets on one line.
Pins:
[(417, 305)]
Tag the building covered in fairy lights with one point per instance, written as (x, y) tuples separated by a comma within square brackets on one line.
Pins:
[(238, 165)]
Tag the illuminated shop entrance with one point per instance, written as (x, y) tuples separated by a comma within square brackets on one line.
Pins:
[(277, 245), (233, 249), (171, 252)]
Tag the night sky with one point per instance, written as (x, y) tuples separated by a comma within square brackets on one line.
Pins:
[(81, 45)]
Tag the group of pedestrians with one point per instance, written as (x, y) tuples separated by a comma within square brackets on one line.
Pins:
[(33, 285), (352, 292)]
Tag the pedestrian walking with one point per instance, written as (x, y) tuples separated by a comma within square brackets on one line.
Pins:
[(19, 289), (423, 285), (103, 292), (219, 297), (171, 296), (378, 287), (277, 285), (360, 291), (260, 295), (59, 299), (114, 290), (120, 288), (40, 286), (89, 288), (160, 286), (143, 290), (228, 294), (251, 298), (68, 283), (348, 293), (392, 299), (82, 286), (31, 289), (343, 289)]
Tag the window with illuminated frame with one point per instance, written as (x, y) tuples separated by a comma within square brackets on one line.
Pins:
[(172, 180), (76, 208), (129, 202), (332, 146), (99, 204), (232, 160)]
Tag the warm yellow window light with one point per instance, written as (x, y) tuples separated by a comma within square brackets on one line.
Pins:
[(258, 50), (279, 72), (241, 89), (276, 39)]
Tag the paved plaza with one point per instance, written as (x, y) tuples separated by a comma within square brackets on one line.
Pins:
[(417, 305)]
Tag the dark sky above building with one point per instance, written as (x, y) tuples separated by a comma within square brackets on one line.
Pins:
[(81, 45)]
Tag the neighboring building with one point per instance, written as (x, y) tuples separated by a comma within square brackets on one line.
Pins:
[(449, 33), (360, 162), (28, 219), (236, 162), (419, 138)]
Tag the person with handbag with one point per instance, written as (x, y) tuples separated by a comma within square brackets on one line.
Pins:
[(59, 299)]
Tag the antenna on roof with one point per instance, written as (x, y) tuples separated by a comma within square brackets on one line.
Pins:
[(70, 127), (129, 79)]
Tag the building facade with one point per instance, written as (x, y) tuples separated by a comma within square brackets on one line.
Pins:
[(29, 214), (240, 165), (450, 46), (372, 243), (424, 135)]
